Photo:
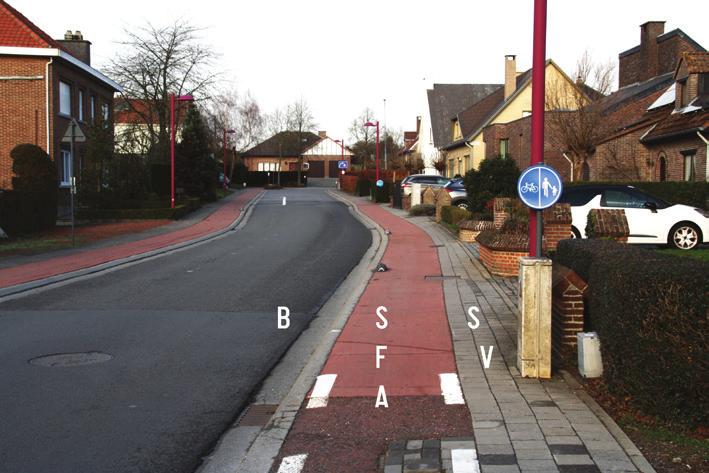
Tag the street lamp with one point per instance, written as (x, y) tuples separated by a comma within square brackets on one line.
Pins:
[(226, 132), (173, 100), (376, 124), (342, 145)]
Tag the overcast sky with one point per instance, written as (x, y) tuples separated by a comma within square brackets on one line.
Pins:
[(342, 56)]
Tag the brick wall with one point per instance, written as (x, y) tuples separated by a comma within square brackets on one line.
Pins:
[(499, 210), (518, 134), (568, 291), (501, 263), (22, 109), (557, 225), (608, 223)]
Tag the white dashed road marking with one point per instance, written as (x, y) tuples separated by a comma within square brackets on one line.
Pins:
[(450, 388), (292, 464), (321, 391), (465, 460)]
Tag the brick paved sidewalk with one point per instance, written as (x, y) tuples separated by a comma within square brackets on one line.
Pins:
[(520, 424), (46, 268)]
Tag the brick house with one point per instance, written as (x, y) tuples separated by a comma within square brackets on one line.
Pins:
[(45, 83), (632, 147), (284, 150)]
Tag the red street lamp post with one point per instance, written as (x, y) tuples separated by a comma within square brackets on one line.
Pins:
[(538, 78), (342, 145), (226, 132), (173, 100), (376, 124)]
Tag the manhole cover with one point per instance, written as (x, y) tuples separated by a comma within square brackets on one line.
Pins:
[(67, 360)]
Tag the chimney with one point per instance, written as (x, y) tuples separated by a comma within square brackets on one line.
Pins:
[(322, 134), (510, 75), (649, 50), (75, 45)]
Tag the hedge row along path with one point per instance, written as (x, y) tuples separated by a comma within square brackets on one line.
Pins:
[(216, 221)]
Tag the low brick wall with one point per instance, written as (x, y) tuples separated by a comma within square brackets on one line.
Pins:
[(429, 195), (406, 202), (568, 290), (442, 200), (470, 229), (608, 223), (500, 211), (348, 183), (557, 225), (501, 262)]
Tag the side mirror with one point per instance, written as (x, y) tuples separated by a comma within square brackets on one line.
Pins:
[(652, 206)]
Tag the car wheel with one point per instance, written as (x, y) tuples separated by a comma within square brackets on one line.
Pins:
[(575, 233), (462, 205), (684, 236)]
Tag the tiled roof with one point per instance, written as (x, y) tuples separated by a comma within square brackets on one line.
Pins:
[(634, 92), (697, 62), (17, 31), (289, 142), (677, 124), (446, 100)]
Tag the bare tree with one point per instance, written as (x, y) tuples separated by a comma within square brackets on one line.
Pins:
[(359, 132), (300, 118), (577, 119), (158, 61), (230, 111)]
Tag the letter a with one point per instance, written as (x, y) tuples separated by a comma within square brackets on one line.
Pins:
[(381, 398), (383, 324), (283, 318), (486, 358), (476, 321)]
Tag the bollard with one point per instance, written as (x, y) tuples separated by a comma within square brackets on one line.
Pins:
[(534, 322)]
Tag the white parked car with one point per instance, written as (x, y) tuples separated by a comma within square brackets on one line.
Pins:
[(650, 220)]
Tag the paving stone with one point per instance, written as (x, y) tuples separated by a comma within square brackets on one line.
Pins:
[(393, 469), (497, 459), (563, 440), (533, 454), (499, 448), (414, 444), (412, 456), (499, 469), (543, 465), (529, 444), (578, 469), (568, 449), (573, 459), (422, 467)]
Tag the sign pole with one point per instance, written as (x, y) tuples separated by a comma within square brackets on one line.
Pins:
[(538, 79)]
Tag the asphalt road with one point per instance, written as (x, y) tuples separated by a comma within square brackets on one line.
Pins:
[(191, 335)]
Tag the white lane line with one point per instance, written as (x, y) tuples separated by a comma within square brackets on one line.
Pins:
[(464, 460), (292, 464), (321, 391), (450, 388)]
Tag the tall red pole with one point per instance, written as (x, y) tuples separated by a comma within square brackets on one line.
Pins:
[(172, 151), (538, 83), (377, 162)]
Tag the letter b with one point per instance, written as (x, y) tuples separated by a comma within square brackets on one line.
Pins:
[(283, 318)]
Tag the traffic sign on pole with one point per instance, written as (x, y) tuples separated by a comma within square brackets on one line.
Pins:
[(343, 164), (539, 187)]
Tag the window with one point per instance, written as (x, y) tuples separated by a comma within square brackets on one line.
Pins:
[(504, 148), (451, 169), (585, 172), (64, 99), (92, 111), (690, 165), (267, 167), (105, 113), (460, 165), (467, 162), (621, 198), (81, 105), (578, 197), (65, 169), (663, 167)]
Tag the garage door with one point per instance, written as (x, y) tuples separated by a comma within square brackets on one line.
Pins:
[(317, 169), (333, 170)]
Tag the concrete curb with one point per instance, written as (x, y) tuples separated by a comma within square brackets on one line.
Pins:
[(32, 287), (623, 440), (258, 456)]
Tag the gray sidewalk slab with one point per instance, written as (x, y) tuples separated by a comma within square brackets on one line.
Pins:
[(520, 424)]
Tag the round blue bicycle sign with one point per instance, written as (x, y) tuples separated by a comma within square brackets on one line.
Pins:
[(539, 186)]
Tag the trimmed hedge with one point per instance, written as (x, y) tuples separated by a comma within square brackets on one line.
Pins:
[(381, 194), (452, 215), (423, 209), (161, 213), (650, 311), (27, 212), (695, 194), (363, 188)]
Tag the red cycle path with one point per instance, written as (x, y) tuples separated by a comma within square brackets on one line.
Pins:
[(417, 337), (218, 220)]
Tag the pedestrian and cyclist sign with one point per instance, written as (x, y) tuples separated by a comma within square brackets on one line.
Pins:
[(539, 186)]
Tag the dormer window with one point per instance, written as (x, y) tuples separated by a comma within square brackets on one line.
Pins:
[(682, 93)]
